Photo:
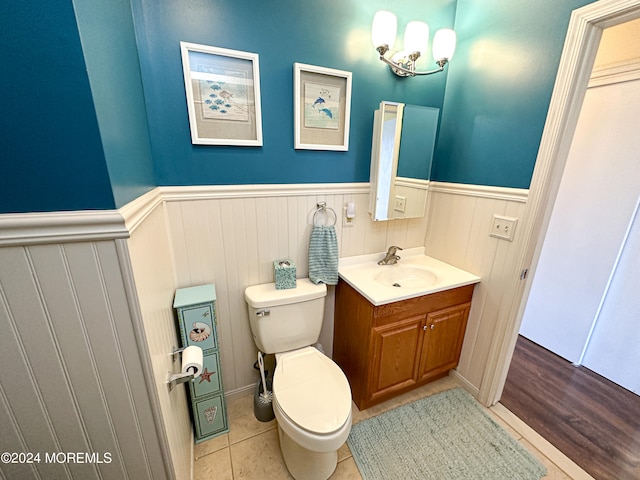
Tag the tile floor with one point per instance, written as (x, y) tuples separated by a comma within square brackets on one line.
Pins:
[(250, 450)]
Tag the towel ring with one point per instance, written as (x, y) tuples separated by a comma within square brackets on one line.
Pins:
[(322, 207)]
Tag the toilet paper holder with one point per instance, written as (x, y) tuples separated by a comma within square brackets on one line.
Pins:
[(178, 378), (175, 379), (175, 352)]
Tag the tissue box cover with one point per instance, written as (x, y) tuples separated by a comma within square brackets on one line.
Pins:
[(284, 274)]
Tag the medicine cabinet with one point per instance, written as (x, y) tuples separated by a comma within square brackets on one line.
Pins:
[(401, 155)]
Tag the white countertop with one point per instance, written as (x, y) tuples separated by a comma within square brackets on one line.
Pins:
[(361, 271)]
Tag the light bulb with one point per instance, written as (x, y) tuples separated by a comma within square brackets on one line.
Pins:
[(416, 37), (444, 44), (383, 29)]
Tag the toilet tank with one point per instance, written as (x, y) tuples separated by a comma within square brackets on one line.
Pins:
[(283, 320)]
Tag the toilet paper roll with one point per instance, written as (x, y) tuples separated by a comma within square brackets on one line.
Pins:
[(192, 360)]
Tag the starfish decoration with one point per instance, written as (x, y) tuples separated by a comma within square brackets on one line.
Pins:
[(206, 375)]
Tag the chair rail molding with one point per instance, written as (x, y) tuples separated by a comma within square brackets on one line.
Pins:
[(519, 195), (61, 227)]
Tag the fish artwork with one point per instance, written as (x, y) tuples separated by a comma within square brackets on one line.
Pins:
[(322, 106), (318, 101), (326, 111)]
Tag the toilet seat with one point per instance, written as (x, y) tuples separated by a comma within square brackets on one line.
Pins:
[(312, 391)]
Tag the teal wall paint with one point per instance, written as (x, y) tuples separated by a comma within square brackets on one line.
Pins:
[(51, 157), (74, 140), (110, 51), (498, 90), (332, 33)]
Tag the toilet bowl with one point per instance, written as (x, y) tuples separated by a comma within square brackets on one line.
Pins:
[(311, 394), (312, 404)]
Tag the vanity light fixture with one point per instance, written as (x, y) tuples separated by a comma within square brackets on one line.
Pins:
[(416, 39)]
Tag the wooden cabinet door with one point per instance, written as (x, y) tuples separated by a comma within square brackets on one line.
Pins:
[(395, 356), (444, 332)]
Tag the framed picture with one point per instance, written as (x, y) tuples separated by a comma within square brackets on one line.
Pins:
[(223, 95), (322, 108)]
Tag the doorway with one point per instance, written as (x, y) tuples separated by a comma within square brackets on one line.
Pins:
[(573, 407), (583, 37), (583, 296)]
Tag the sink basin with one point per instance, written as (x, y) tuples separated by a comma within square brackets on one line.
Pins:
[(405, 277), (414, 275)]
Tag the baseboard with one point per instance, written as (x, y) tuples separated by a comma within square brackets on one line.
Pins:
[(474, 391), (240, 392)]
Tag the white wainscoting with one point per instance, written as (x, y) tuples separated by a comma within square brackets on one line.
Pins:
[(71, 377), (460, 219), (230, 236), (149, 250), (86, 318)]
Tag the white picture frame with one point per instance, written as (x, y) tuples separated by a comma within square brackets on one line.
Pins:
[(322, 108), (223, 95)]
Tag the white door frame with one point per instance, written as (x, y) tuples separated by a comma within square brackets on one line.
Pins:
[(578, 56)]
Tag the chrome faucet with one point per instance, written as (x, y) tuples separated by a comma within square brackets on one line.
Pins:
[(391, 258)]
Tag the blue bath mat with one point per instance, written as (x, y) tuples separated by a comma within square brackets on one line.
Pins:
[(443, 437)]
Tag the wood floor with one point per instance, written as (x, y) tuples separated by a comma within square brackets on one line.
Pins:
[(593, 421)]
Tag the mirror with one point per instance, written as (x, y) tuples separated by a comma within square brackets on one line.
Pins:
[(401, 155)]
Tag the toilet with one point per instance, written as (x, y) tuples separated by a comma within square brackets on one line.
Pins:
[(311, 394)]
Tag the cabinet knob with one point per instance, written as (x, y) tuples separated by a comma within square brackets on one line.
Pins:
[(433, 325), (424, 327)]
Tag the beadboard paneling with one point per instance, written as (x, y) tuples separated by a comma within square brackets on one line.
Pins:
[(152, 266), (72, 381), (232, 239), (458, 233), (68, 312)]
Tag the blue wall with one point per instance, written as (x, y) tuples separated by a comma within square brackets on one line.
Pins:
[(75, 133), (109, 44), (499, 88), (95, 134), (51, 155), (332, 33)]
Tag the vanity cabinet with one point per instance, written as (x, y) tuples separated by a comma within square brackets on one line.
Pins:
[(389, 349)]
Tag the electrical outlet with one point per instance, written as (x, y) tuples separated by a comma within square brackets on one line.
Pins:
[(503, 227), (400, 203)]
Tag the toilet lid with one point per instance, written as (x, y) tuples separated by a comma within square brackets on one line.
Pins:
[(312, 390)]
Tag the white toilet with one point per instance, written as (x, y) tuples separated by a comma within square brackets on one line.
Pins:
[(311, 394)]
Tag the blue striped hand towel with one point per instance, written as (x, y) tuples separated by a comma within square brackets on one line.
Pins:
[(323, 255)]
